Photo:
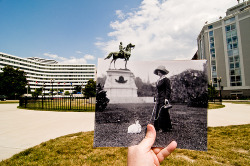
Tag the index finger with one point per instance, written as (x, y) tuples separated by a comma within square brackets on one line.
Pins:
[(166, 151)]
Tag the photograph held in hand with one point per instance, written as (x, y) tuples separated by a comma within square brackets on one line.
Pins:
[(171, 95)]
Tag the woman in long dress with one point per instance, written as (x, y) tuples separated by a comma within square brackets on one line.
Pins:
[(162, 118)]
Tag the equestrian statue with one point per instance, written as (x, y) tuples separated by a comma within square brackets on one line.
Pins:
[(124, 53)]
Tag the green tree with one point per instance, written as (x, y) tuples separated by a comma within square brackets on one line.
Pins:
[(12, 82), (66, 93), (212, 92), (90, 88), (50, 91), (77, 88), (37, 92)]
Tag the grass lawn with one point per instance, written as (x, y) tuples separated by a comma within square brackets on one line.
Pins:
[(9, 101), (189, 126), (61, 104), (215, 105), (226, 146), (237, 102)]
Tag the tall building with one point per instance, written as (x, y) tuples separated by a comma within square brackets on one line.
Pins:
[(225, 44), (43, 73)]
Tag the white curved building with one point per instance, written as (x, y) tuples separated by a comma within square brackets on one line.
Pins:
[(44, 73)]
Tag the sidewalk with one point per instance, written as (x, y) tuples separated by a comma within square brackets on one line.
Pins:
[(22, 129), (231, 114)]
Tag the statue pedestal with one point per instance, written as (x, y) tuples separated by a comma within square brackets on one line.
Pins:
[(120, 86)]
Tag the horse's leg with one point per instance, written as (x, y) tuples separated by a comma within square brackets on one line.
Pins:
[(114, 63), (111, 63)]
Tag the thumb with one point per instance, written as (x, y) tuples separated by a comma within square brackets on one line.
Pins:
[(149, 139)]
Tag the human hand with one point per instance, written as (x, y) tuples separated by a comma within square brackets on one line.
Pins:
[(143, 154)]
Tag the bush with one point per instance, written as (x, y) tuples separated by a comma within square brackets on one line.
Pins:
[(67, 93)]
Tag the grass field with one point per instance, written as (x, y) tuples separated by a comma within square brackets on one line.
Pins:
[(9, 101), (238, 102), (61, 104), (226, 146), (215, 106), (189, 126)]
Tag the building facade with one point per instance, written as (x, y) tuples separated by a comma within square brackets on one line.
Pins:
[(48, 74), (225, 44)]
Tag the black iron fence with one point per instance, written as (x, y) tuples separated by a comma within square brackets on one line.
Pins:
[(58, 103)]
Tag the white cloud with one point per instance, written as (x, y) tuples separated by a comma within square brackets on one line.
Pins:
[(120, 14), (99, 38), (89, 57), (163, 29), (51, 55), (71, 60), (78, 52)]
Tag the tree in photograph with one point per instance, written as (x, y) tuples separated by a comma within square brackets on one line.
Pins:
[(178, 94), (90, 89), (138, 82), (196, 87), (101, 98), (144, 89), (190, 87), (12, 82), (101, 80)]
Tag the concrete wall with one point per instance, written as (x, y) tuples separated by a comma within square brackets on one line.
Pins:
[(220, 56), (245, 40), (207, 54)]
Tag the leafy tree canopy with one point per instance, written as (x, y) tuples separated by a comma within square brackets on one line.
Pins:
[(12, 82), (144, 89), (90, 88), (77, 88), (37, 92), (212, 92), (67, 93)]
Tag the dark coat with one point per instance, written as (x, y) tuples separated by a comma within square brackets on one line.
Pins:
[(162, 119), (163, 90)]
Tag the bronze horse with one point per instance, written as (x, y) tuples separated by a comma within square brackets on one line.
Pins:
[(125, 54)]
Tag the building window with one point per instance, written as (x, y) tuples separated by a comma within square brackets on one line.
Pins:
[(211, 33), (210, 27), (232, 19), (233, 53), (213, 57)]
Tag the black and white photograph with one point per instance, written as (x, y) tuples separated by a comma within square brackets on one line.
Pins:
[(171, 95)]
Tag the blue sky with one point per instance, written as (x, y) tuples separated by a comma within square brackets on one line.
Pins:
[(81, 31)]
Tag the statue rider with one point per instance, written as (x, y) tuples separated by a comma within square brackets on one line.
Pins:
[(121, 48)]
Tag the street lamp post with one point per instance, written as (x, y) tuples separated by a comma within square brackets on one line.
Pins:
[(43, 89), (219, 81), (27, 88), (52, 81), (82, 88)]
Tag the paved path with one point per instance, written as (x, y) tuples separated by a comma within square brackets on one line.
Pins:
[(22, 129), (231, 114)]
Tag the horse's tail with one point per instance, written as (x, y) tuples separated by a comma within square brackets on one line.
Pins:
[(109, 55)]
